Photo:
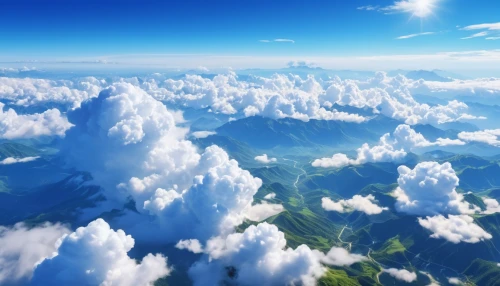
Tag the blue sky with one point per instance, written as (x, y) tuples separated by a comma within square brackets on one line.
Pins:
[(88, 29)]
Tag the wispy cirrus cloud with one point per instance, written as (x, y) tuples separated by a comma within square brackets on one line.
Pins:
[(476, 35), (369, 8), (278, 41), (487, 28), (415, 35)]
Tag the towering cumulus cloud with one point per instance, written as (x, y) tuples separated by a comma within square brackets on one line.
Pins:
[(97, 255), (391, 148), (291, 96), (429, 190), (139, 153), (23, 247)]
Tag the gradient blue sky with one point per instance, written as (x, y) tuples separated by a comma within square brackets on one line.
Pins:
[(70, 29)]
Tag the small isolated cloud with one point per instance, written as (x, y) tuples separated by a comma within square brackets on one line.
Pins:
[(415, 35), (21, 126), (357, 203), (402, 274), (336, 161), (23, 247), (278, 41), (264, 159), (203, 134), (270, 196), (455, 281), (338, 256), (368, 8), (492, 206), (476, 35), (192, 245), (455, 228), (429, 189), (12, 160), (97, 255), (263, 211), (488, 136), (391, 148)]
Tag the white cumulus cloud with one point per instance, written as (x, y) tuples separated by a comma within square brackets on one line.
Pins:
[(402, 274), (488, 136), (18, 126), (23, 247), (455, 228), (357, 203), (430, 189), (97, 255), (264, 159), (259, 256), (391, 148)]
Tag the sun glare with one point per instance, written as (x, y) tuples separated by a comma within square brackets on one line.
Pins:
[(423, 8)]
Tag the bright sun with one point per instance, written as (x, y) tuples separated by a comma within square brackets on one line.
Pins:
[(422, 8)]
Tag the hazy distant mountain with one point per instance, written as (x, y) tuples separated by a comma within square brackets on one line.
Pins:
[(427, 75), (266, 133)]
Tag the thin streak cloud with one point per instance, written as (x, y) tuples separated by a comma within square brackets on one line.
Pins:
[(415, 35)]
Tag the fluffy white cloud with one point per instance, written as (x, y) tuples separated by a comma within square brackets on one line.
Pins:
[(12, 160), (264, 159), (336, 161), (485, 136), (391, 148), (487, 87), (338, 256), (455, 228), (429, 189), (140, 153), (492, 206), (402, 274), (31, 91), (97, 255), (22, 247), (192, 245), (357, 203), (16, 126), (259, 256), (202, 134), (270, 196), (264, 210), (455, 281)]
